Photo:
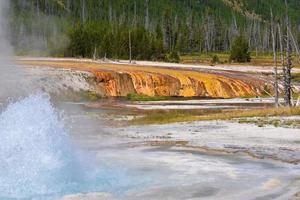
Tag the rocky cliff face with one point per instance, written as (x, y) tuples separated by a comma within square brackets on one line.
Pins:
[(121, 80)]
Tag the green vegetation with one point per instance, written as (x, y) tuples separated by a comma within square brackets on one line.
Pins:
[(267, 121), (205, 58), (160, 29), (91, 96), (96, 39), (142, 97), (173, 116), (215, 60), (240, 50), (265, 59), (173, 57), (296, 77)]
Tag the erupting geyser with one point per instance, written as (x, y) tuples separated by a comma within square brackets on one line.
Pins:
[(36, 157), (37, 160)]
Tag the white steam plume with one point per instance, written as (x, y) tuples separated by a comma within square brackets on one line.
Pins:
[(5, 48), (11, 85)]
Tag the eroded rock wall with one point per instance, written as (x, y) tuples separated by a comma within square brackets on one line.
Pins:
[(111, 83), (121, 80)]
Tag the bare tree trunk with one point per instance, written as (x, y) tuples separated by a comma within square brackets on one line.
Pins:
[(250, 30), (209, 31), (130, 49), (281, 45), (110, 12), (298, 101), (147, 14), (174, 33), (266, 39), (256, 37), (295, 43), (275, 60), (135, 15), (38, 8), (281, 48), (83, 11), (288, 77), (95, 54), (288, 67)]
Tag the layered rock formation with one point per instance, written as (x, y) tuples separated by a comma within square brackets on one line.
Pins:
[(121, 80)]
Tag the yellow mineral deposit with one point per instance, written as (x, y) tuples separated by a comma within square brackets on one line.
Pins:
[(120, 80)]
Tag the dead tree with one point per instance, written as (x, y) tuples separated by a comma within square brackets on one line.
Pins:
[(287, 74), (273, 32), (294, 43), (135, 17), (282, 56), (110, 12), (296, 47), (130, 47), (257, 37), (288, 67), (209, 32), (95, 53), (83, 19), (147, 14)]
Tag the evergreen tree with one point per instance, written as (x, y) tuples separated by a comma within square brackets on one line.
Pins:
[(185, 26), (240, 50)]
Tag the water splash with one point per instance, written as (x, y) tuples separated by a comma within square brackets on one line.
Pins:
[(36, 158), (37, 161)]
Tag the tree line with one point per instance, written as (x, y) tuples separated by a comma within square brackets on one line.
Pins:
[(160, 30), (106, 40), (164, 27), (284, 43)]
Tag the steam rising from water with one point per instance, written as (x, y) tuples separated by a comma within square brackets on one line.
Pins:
[(37, 161), (36, 158), (8, 75), (5, 48)]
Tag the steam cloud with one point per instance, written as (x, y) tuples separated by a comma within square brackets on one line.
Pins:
[(10, 84), (5, 48)]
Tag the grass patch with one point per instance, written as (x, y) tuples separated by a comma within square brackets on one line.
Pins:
[(262, 122), (263, 59), (91, 96), (173, 116), (296, 77), (142, 97)]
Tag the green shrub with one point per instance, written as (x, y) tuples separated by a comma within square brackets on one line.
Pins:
[(173, 57), (143, 97), (215, 60), (296, 77), (92, 96), (240, 50)]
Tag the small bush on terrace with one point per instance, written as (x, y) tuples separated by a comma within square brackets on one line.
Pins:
[(240, 50)]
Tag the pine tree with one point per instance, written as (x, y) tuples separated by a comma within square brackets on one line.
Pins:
[(240, 50)]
